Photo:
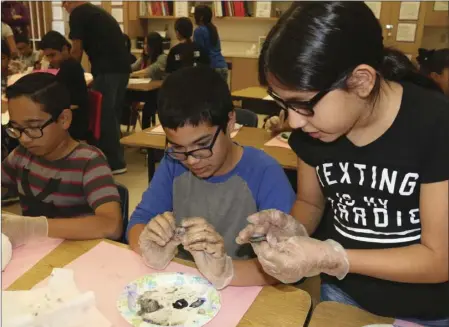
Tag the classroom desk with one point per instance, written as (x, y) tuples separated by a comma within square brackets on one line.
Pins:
[(247, 136), (253, 99), (341, 315), (280, 305), (153, 85)]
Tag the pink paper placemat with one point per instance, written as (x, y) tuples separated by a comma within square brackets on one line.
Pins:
[(278, 143), (107, 269), (26, 256)]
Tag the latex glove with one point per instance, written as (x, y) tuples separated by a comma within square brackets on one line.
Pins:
[(275, 124), (158, 242), (301, 256), (21, 230), (272, 223), (208, 249)]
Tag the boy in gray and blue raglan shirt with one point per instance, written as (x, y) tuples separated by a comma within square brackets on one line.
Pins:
[(205, 174)]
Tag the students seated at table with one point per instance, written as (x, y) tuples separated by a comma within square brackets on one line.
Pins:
[(435, 64), (153, 61), (206, 36), (27, 55), (66, 188), (56, 49), (186, 53), (204, 174), (132, 58)]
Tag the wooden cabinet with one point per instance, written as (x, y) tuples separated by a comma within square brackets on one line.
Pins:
[(244, 73)]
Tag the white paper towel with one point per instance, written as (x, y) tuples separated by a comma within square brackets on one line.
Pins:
[(6, 251), (58, 304)]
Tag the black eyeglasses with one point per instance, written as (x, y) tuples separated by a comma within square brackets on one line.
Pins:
[(304, 108), (31, 132), (201, 153)]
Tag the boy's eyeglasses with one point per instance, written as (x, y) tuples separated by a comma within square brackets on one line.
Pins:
[(31, 132), (201, 153), (304, 108)]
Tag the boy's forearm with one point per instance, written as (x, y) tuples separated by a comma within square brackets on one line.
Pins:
[(250, 273), (133, 237), (84, 228)]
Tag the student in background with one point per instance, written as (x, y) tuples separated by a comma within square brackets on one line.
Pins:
[(66, 188), (6, 56), (206, 36), (186, 53), (27, 55), (132, 58), (94, 30), (154, 68), (8, 37), (435, 64), (372, 143), (205, 175), (56, 49), (16, 15)]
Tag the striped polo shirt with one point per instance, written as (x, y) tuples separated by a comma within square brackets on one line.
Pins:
[(86, 180)]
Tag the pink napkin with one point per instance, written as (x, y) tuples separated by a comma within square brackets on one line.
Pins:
[(26, 256), (277, 143), (107, 269), (401, 323)]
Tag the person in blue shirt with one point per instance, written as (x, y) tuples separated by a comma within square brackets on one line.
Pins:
[(207, 176), (206, 36)]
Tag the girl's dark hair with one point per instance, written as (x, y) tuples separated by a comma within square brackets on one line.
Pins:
[(433, 61), (54, 40), (203, 15), (316, 46), (44, 89), (154, 46), (127, 42), (184, 27)]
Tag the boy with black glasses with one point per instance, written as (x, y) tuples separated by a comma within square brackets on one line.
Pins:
[(65, 187), (206, 186)]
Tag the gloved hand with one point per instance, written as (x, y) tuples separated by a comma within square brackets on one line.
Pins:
[(272, 223), (158, 242), (208, 249), (21, 230), (289, 254), (275, 124)]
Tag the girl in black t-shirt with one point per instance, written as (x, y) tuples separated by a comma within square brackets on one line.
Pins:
[(372, 144), (186, 53)]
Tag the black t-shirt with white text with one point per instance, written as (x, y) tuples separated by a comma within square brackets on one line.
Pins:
[(374, 193), (102, 39)]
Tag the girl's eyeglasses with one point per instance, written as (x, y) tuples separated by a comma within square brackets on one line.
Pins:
[(304, 108)]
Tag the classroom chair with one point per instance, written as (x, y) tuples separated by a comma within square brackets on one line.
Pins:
[(95, 100), (246, 118), (124, 198)]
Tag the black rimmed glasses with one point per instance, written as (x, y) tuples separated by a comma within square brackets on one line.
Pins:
[(31, 132), (304, 108), (201, 153)]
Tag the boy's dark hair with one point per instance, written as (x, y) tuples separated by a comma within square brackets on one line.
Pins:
[(5, 49), (22, 38), (44, 89), (433, 61), (54, 40), (184, 27), (194, 95)]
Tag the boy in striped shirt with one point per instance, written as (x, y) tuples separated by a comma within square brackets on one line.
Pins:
[(66, 188)]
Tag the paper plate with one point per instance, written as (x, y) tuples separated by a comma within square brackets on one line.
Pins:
[(178, 300)]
